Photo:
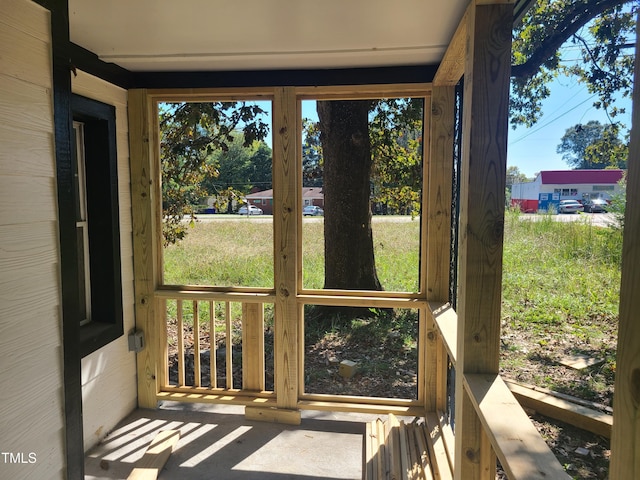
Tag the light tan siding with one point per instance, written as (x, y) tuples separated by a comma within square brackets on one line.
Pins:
[(109, 374), (31, 372)]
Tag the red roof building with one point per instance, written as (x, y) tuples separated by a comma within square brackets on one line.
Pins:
[(566, 184)]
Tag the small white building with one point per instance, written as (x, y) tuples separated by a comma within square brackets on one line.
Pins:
[(566, 184)]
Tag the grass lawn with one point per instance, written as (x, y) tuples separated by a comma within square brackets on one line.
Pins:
[(560, 286)]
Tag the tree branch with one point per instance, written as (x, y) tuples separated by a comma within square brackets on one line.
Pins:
[(575, 18)]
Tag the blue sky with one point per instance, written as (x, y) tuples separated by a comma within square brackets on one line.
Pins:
[(534, 149)]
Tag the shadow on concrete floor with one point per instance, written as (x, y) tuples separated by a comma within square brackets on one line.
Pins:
[(217, 442)]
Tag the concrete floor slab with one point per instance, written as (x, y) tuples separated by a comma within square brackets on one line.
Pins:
[(217, 442)]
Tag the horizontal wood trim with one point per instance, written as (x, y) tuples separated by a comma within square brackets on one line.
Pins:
[(522, 452), (361, 293), (446, 321), (411, 411), (286, 78), (384, 401), (361, 301), (577, 415), (273, 415), (349, 92), (224, 296), (228, 398), (211, 94), (87, 85)]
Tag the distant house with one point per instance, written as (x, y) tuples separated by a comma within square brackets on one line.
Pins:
[(565, 184), (264, 199)]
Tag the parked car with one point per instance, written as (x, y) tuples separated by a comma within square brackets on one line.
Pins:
[(596, 205), (570, 206), (249, 210), (312, 210)]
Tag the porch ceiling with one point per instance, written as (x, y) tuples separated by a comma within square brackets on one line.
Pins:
[(216, 35)]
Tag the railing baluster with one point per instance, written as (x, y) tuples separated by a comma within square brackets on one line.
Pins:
[(212, 345), (163, 381), (229, 344), (180, 334), (196, 345)]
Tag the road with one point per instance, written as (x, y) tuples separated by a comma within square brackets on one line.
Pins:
[(596, 219)]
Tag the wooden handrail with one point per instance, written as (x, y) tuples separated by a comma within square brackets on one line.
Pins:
[(523, 453)]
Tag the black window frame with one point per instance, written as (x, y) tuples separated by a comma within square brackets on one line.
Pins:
[(101, 167)]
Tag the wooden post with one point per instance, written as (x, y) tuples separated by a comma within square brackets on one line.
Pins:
[(287, 312), (438, 234), (253, 346), (482, 187), (625, 441), (144, 187)]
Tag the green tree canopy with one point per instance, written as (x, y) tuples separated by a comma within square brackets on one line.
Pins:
[(603, 30), (190, 133), (592, 146)]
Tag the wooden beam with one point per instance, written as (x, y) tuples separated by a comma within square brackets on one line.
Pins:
[(438, 232), (452, 67), (286, 204), (482, 186), (561, 409), (522, 452), (156, 456), (625, 442), (253, 346), (273, 415), (144, 185)]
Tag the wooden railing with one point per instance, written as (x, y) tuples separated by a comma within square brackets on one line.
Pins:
[(204, 335), (521, 450)]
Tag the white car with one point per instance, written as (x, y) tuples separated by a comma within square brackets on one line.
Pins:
[(249, 210), (312, 210), (570, 206)]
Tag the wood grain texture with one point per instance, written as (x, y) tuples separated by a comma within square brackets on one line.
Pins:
[(482, 186), (157, 454), (438, 231), (143, 194), (253, 344), (287, 311), (561, 409), (27, 200), (452, 66), (625, 442), (522, 452)]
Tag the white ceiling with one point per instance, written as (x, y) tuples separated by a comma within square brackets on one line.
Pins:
[(191, 35)]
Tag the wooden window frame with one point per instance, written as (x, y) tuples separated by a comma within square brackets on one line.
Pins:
[(105, 270)]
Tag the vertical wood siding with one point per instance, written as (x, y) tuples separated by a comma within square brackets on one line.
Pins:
[(109, 374), (31, 373)]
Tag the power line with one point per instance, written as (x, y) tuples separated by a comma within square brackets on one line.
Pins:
[(551, 121)]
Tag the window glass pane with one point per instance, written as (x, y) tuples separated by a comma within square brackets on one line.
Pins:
[(216, 164), (361, 192)]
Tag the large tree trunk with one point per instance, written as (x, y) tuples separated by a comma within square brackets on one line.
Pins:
[(348, 247)]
